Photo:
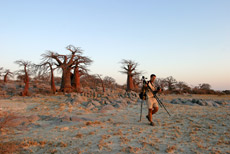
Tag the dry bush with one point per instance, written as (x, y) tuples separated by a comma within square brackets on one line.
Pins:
[(4, 120), (10, 147)]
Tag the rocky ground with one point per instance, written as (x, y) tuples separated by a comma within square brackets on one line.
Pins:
[(75, 123)]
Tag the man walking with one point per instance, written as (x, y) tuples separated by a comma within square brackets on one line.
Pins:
[(151, 100)]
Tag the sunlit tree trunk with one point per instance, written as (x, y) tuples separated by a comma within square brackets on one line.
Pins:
[(26, 81), (5, 77), (66, 80), (130, 85), (53, 87), (76, 79), (129, 68)]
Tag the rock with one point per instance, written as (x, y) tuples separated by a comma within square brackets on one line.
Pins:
[(90, 106), (121, 105), (195, 101), (76, 119), (33, 118), (66, 118), (96, 103), (202, 102), (85, 103), (189, 103), (16, 121), (221, 102), (131, 102), (209, 103), (106, 108), (64, 128), (176, 101), (105, 102), (216, 105)]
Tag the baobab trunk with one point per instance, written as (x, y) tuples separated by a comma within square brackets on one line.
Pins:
[(26, 88), (52, 82), (5, 77), (130, 85), (76, 82), (66, 80)]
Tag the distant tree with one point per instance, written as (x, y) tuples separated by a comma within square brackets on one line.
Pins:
[(40, 75), (160, 83), (130, 68), (7, 74), (65, 62), (170, 83), (1, 69), (182, 87), (227, 92), (47, 66), (136, 81), (26, 68), (80, 68), (109, 81), (205, 86), (102, 83)]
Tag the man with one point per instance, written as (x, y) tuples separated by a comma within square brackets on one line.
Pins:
[(151, 100)]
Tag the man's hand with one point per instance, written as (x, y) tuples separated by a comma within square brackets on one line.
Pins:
[(159, 89)]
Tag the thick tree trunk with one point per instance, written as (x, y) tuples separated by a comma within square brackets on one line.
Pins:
[(76, 80), (130, 85), (102, 84), (53, 87), (66, 80), (5, 77), (26, 88)]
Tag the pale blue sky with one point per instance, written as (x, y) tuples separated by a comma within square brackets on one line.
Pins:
[(186, 39)]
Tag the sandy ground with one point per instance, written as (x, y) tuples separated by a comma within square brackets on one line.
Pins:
[(50, 124)]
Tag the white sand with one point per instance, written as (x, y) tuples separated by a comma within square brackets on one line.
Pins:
[(69, 128)]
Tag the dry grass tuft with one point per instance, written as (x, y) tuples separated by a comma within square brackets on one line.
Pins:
[(130, 149), (171, 149), (79, 136), (88, 123)]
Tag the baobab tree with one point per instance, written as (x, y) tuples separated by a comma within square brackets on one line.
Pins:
[(65, 62), (80, 68), (205, 86), (26, 68), (7, 74), (130, 68), (182, 87), (160, 83), (170, 83), (109, 81), (136, 81), (1, 68), (102, 83), (46, 66)]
